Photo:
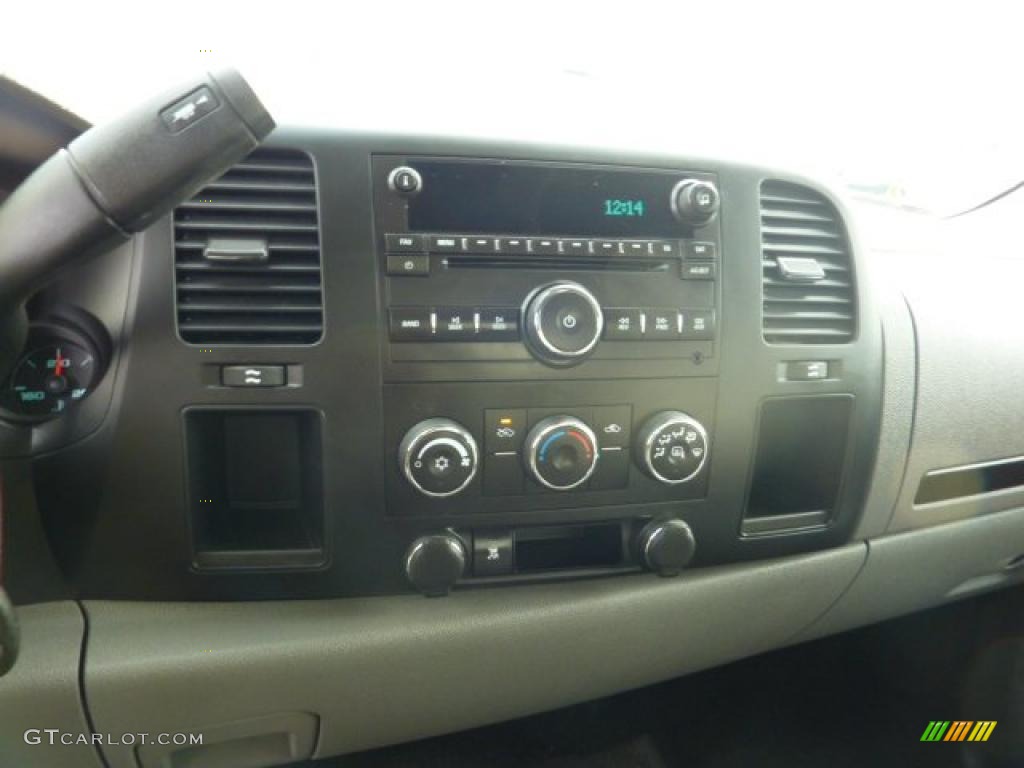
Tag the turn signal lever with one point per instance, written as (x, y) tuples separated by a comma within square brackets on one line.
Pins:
[(116, 179)]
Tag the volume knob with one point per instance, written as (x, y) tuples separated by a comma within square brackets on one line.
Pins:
[(562, 323)]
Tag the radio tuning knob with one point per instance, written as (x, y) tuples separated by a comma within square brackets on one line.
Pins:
[(695, 201), (562, 323), (672, 447), (667, 546), (438, 457), (435, 562)]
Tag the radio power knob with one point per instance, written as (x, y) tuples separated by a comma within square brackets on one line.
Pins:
[(438, 457), (562, 323), (667, 546), (672, 447), (435, 562), (695, 201)]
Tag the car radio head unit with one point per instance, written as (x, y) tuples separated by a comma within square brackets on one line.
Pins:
[(541, 199)]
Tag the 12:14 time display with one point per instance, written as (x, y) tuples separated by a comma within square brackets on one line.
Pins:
[(617, 207)]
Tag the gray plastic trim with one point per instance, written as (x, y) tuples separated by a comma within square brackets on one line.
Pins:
[(920, 569), (390, 669), (969, 337), (41, 691), (898, 389)]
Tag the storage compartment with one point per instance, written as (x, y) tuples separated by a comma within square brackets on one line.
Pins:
[(958, 482), (255, 484), (798, 469), (569, 547)]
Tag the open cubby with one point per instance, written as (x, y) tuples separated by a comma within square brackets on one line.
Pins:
[(255, 485)]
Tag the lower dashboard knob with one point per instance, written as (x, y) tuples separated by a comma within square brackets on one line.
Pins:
[(562, 323), (435, 562), (672, 447), (561, 452), (438, 457), (667, 547)]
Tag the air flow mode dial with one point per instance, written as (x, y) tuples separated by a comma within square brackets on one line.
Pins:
[(672, 447)]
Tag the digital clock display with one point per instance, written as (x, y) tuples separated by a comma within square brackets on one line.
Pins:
[(532, 198), (617, 207)]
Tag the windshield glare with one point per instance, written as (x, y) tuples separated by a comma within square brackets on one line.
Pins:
[(915, 106)]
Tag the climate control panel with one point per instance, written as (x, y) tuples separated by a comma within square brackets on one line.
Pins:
[(534, 452)]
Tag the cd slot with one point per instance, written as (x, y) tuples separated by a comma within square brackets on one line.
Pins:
[(558, 263)]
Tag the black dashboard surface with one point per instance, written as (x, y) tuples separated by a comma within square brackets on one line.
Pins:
[(114, 483)]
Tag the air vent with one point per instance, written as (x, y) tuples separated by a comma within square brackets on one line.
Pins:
[(809, 295), (247, 255)]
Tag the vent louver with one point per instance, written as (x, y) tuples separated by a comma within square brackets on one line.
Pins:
[(247, 255), (800, 224)]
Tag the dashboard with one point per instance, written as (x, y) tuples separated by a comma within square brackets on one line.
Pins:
[(363, 364), (587, 400)]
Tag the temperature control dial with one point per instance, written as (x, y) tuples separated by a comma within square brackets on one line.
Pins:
[(562, 323), (561, 452), (439, 457), (672, 447)]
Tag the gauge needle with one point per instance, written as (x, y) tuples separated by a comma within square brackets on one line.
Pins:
[(59, 369)]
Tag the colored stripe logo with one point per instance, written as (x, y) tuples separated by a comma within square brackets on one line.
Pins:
[(958, 730)]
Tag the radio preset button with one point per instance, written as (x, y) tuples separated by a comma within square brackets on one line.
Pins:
[(401, 243), (417, 264), (481, 244), (623, 323), (636, 248), (513, 244), (544, 245), (576, 247), (607, 247)]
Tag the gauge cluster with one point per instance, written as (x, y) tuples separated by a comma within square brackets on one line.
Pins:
[(64, 359)]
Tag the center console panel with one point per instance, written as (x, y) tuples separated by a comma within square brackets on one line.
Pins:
[(535, 363)]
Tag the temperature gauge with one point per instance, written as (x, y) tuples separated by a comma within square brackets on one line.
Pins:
[(49, 379), (65, 359)]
